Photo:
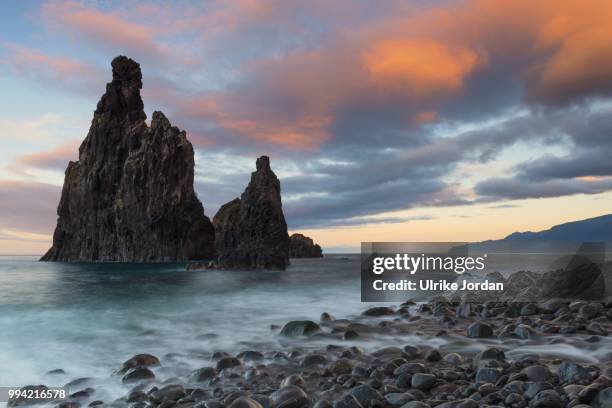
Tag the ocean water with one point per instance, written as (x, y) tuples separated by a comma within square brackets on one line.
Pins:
[(88, 318)]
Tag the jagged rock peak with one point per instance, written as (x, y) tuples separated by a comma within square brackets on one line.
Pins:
[(130, 196), (263, 164), (250, 231), (122, 97), (302, 246)]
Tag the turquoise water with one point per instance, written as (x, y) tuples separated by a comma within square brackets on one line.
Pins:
[(88, 318)]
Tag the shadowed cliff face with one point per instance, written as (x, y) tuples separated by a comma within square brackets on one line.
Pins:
[(251, 231), (130, 196)]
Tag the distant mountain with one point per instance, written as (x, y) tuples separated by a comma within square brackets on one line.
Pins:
[(591, 229), (598, 229)]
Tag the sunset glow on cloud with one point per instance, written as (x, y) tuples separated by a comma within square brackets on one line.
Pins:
[(420, 118)]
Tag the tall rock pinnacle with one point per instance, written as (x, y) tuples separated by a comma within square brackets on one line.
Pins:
[(251, 231), (130, 196)]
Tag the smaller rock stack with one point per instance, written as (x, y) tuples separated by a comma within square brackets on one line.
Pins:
[(302, 246), (250, 231)]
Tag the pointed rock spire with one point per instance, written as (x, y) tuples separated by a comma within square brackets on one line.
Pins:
[(250, 231), (130, 196)]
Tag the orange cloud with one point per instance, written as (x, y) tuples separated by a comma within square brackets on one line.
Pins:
[(580, 64), (420, 68), (411, 60), (301, 133), (561, 49)]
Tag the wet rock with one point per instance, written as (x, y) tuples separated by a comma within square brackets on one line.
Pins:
[(547, 399), (410, 352), (529, 309), (139, 360), (596, 328), (588, 394), (433, 356), (552, 305), (294, 379), (130, 196), (228, 362), (403, 380), (422, 381), (488, 375), (581, 278), (534, 388), (313, 360), (68, 404), (323, 404), (410, 368), (398, 399), (453, 358), (234, 395), (326, 317), (522, 331), (301, 246), (172, 392), (264, 400), (590, 310), (350, 335), (483, 358), (290, 397), (245, 402), (379, 311), (251, 355), (298, 328), (341, 366), (250, 231), (136, 396), (515, 400), (138, 374), (415, 404), (203, 374), (479, 330), (347, 401), (198, 394), (603, 399), (365, 393), (537, 373), (573, 373)]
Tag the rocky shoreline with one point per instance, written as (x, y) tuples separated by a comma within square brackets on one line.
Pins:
[(416, 355)]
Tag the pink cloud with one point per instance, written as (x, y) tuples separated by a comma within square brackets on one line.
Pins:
[(110, 30), (51, 70), (53, 159)]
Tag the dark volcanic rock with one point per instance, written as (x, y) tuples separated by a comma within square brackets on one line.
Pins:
[(251, 232), (581, 279), (479, 330), (301, 246), (299, 328), (130, 196)]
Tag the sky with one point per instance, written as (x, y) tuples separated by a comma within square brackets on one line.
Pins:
[(385, 121)]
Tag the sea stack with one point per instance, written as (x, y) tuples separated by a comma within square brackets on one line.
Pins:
[(130, 196), (302, 246), (250, 231)]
